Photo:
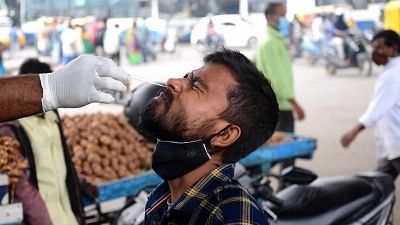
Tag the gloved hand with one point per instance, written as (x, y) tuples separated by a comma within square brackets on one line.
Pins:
[(82, 81)]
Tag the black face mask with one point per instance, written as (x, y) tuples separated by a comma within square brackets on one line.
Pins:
[(174, 159)]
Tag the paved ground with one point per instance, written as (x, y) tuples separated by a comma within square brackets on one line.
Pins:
[(332, 105)]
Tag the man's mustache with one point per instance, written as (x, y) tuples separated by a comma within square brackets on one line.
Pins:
[(166, 94)]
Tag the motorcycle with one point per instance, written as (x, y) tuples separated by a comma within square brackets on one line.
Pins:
[(363, 199), (211, 43), (356, 46)]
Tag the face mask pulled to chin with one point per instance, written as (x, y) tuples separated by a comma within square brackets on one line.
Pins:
[(174, 159)]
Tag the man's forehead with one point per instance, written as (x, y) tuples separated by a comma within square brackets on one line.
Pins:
[(378, 42), (213, 70)]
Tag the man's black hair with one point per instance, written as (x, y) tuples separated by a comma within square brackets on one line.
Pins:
[(252, 104), (391, 38), (34, 66), (271, 8)]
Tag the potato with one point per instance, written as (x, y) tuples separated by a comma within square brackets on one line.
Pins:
[(105, 147)]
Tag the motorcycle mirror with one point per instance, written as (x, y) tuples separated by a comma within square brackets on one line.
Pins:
[(297, 175)]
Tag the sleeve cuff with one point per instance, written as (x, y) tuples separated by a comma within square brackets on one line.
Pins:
[(365, 121)]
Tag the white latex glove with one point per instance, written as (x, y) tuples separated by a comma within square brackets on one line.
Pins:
[(82, 81)]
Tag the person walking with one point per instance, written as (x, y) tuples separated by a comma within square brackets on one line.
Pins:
[(273, 59), (383, 112)]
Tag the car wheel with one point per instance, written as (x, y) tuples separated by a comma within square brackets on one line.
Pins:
[(252, 42)]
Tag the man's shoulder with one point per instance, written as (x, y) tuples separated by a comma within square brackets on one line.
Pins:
[(232, 190), (235, 202)]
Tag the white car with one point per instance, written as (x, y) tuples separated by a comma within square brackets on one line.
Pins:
[(235, 31)]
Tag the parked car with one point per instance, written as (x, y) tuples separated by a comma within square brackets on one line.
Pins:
[(234, 30)]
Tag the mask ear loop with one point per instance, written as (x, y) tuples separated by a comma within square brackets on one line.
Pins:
[(208, 140)]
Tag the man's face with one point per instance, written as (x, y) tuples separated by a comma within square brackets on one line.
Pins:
[(190, 106), (273, 20), (281, 10), (381, 53)]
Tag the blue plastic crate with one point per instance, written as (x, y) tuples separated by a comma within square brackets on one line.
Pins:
[(126, 187), (265, 156)]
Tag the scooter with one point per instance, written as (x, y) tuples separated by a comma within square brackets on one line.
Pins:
[(362, 199), (356, 46), (211, 43), (311, 50)]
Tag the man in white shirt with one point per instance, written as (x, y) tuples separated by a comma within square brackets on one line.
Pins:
[(71, 43), (384, 110), (111, 42)]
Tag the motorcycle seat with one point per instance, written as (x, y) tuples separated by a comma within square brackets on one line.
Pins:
[(322, 195), (333, 201)]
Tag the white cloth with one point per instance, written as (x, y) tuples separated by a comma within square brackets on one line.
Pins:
[(71, 42), (111, 41), (384, 111), (317, 29)]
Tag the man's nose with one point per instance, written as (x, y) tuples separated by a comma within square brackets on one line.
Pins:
[(176, 85)]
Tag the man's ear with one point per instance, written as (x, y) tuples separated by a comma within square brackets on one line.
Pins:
[(227, 137)]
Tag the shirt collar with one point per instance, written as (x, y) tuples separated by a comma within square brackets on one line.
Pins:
[(273, 32), (393, 61), (192, 197)]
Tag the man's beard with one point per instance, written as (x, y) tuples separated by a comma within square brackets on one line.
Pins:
[(153, 123)]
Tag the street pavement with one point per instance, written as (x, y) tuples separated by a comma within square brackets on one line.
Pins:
[(332, 105)]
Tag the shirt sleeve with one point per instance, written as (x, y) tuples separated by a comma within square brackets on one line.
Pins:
[(271, 62), (384, 98), (35, 210), (242, 209)]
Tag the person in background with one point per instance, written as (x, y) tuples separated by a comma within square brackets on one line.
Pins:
[(3, 70), (296, 33), (134, 53), (99, 30), (88, 47), (43, 43), (340, 29), (273, 59), (205, 122), (14, 40), (317, 29), (71, 42), (111, 43), (51, 175), (143, 39), (384, 109)]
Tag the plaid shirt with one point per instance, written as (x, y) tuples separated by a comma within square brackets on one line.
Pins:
[(214, 199)]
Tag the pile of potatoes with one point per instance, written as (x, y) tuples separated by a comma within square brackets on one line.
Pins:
[(11, 161), (105, 147)]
